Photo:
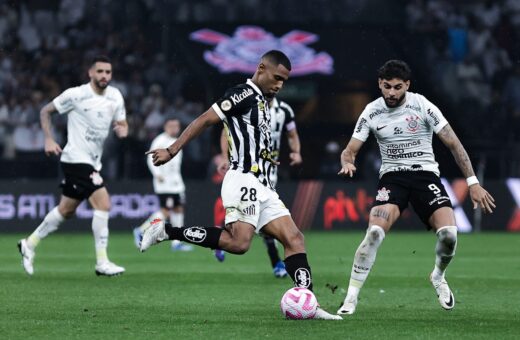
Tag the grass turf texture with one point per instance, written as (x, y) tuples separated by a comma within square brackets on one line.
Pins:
[(191, 295)]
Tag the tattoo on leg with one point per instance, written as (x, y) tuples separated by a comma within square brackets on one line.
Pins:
[(381, 213)]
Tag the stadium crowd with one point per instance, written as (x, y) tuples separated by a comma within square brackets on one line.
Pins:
[(471, 51)]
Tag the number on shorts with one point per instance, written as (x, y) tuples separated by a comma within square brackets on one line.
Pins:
[(434, 188), (252, 194)]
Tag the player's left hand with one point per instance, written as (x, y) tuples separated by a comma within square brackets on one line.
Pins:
[(160, 156), (296, 158), (121, 129), (480, 197)]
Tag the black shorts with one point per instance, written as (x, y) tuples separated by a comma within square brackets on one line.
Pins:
[(80, 180), (168, 201), (423, 189)]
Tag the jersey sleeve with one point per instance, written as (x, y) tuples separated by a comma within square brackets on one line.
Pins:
[(120, 113), (433, 115), (362, 129), (290, 123), (235, 102), (64, 102)]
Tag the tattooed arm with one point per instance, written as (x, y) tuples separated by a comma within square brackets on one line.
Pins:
[(479, 196)]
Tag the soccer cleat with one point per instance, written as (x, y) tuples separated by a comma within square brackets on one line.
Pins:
[(138, 236), (154, 234), (220, 255), (348, 307), (279, 270), (109, 269), (27, 256), (180, 246), (446, 298), (321, 314)]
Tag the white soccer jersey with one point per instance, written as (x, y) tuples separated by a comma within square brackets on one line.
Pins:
[(90, 118), (170, 172), (282, 117), (404, 134)]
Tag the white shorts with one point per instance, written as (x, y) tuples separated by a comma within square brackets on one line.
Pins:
[(246, 199)]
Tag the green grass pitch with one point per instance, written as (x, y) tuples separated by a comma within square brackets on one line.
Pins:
[(165, 295)]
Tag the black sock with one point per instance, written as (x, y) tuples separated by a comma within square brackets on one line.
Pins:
[(299, 270), (271, 250), (207, 237)]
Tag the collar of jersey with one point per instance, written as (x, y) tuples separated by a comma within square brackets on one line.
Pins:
[(94, 92), (253, 85)]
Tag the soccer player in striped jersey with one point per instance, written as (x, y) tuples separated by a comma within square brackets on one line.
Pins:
[(92, 109), (252, 205), (403, 123), (282, 118)]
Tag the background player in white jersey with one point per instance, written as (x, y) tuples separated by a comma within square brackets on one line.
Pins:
[(282, 118), (403, 124), (252, 205), (167, 184), (92, 109)]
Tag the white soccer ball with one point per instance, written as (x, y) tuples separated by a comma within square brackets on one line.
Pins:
[(298, 304)]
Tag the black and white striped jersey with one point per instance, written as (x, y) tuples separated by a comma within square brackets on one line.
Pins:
[(246, 116), (282, 118)]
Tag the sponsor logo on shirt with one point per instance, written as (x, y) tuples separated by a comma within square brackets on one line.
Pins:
[(434, 117), (377, 113), (413, 107), (360, 125), (238, 97)]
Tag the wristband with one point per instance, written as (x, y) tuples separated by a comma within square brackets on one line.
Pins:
[(472, 180), (171, 156)]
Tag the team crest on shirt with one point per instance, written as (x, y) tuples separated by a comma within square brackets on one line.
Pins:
[(383, 195), (261, 106), (96, 178), (413, 123), (225, 105)]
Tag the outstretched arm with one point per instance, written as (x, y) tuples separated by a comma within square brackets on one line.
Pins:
[(51, 147), (348, 157), (479, 196), (208, 118), (294, 144)]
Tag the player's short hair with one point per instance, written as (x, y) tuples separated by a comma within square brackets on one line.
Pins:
[(169, 117), (395, 69), (100, 59), (278, 57)]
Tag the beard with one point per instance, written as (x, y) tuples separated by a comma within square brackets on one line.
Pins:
[(394, 102), (101, 85)]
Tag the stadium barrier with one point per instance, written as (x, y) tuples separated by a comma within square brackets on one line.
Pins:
[(315, 205)]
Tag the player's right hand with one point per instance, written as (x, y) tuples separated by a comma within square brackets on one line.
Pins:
[(347, 170), (223, 167), (160, 156), (51, 147)]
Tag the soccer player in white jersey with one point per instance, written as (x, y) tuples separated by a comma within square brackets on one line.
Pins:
[(282, 118), (403, 124), (252, 205), (168, 185), (93, 109)]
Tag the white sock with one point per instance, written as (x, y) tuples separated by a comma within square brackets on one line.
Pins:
[(177, 219), (49, 224), (100, 230), (444, 250), (364, 259), (146, 224)]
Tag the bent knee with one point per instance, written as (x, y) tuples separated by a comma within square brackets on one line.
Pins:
[(448, 236)]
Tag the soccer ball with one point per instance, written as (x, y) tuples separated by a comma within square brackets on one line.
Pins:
[(298, 304)]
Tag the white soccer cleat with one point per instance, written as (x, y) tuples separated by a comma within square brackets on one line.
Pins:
[(27, 256), (154, 234), (446, 298), (109, 269), (321, 314), (348, 307)]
